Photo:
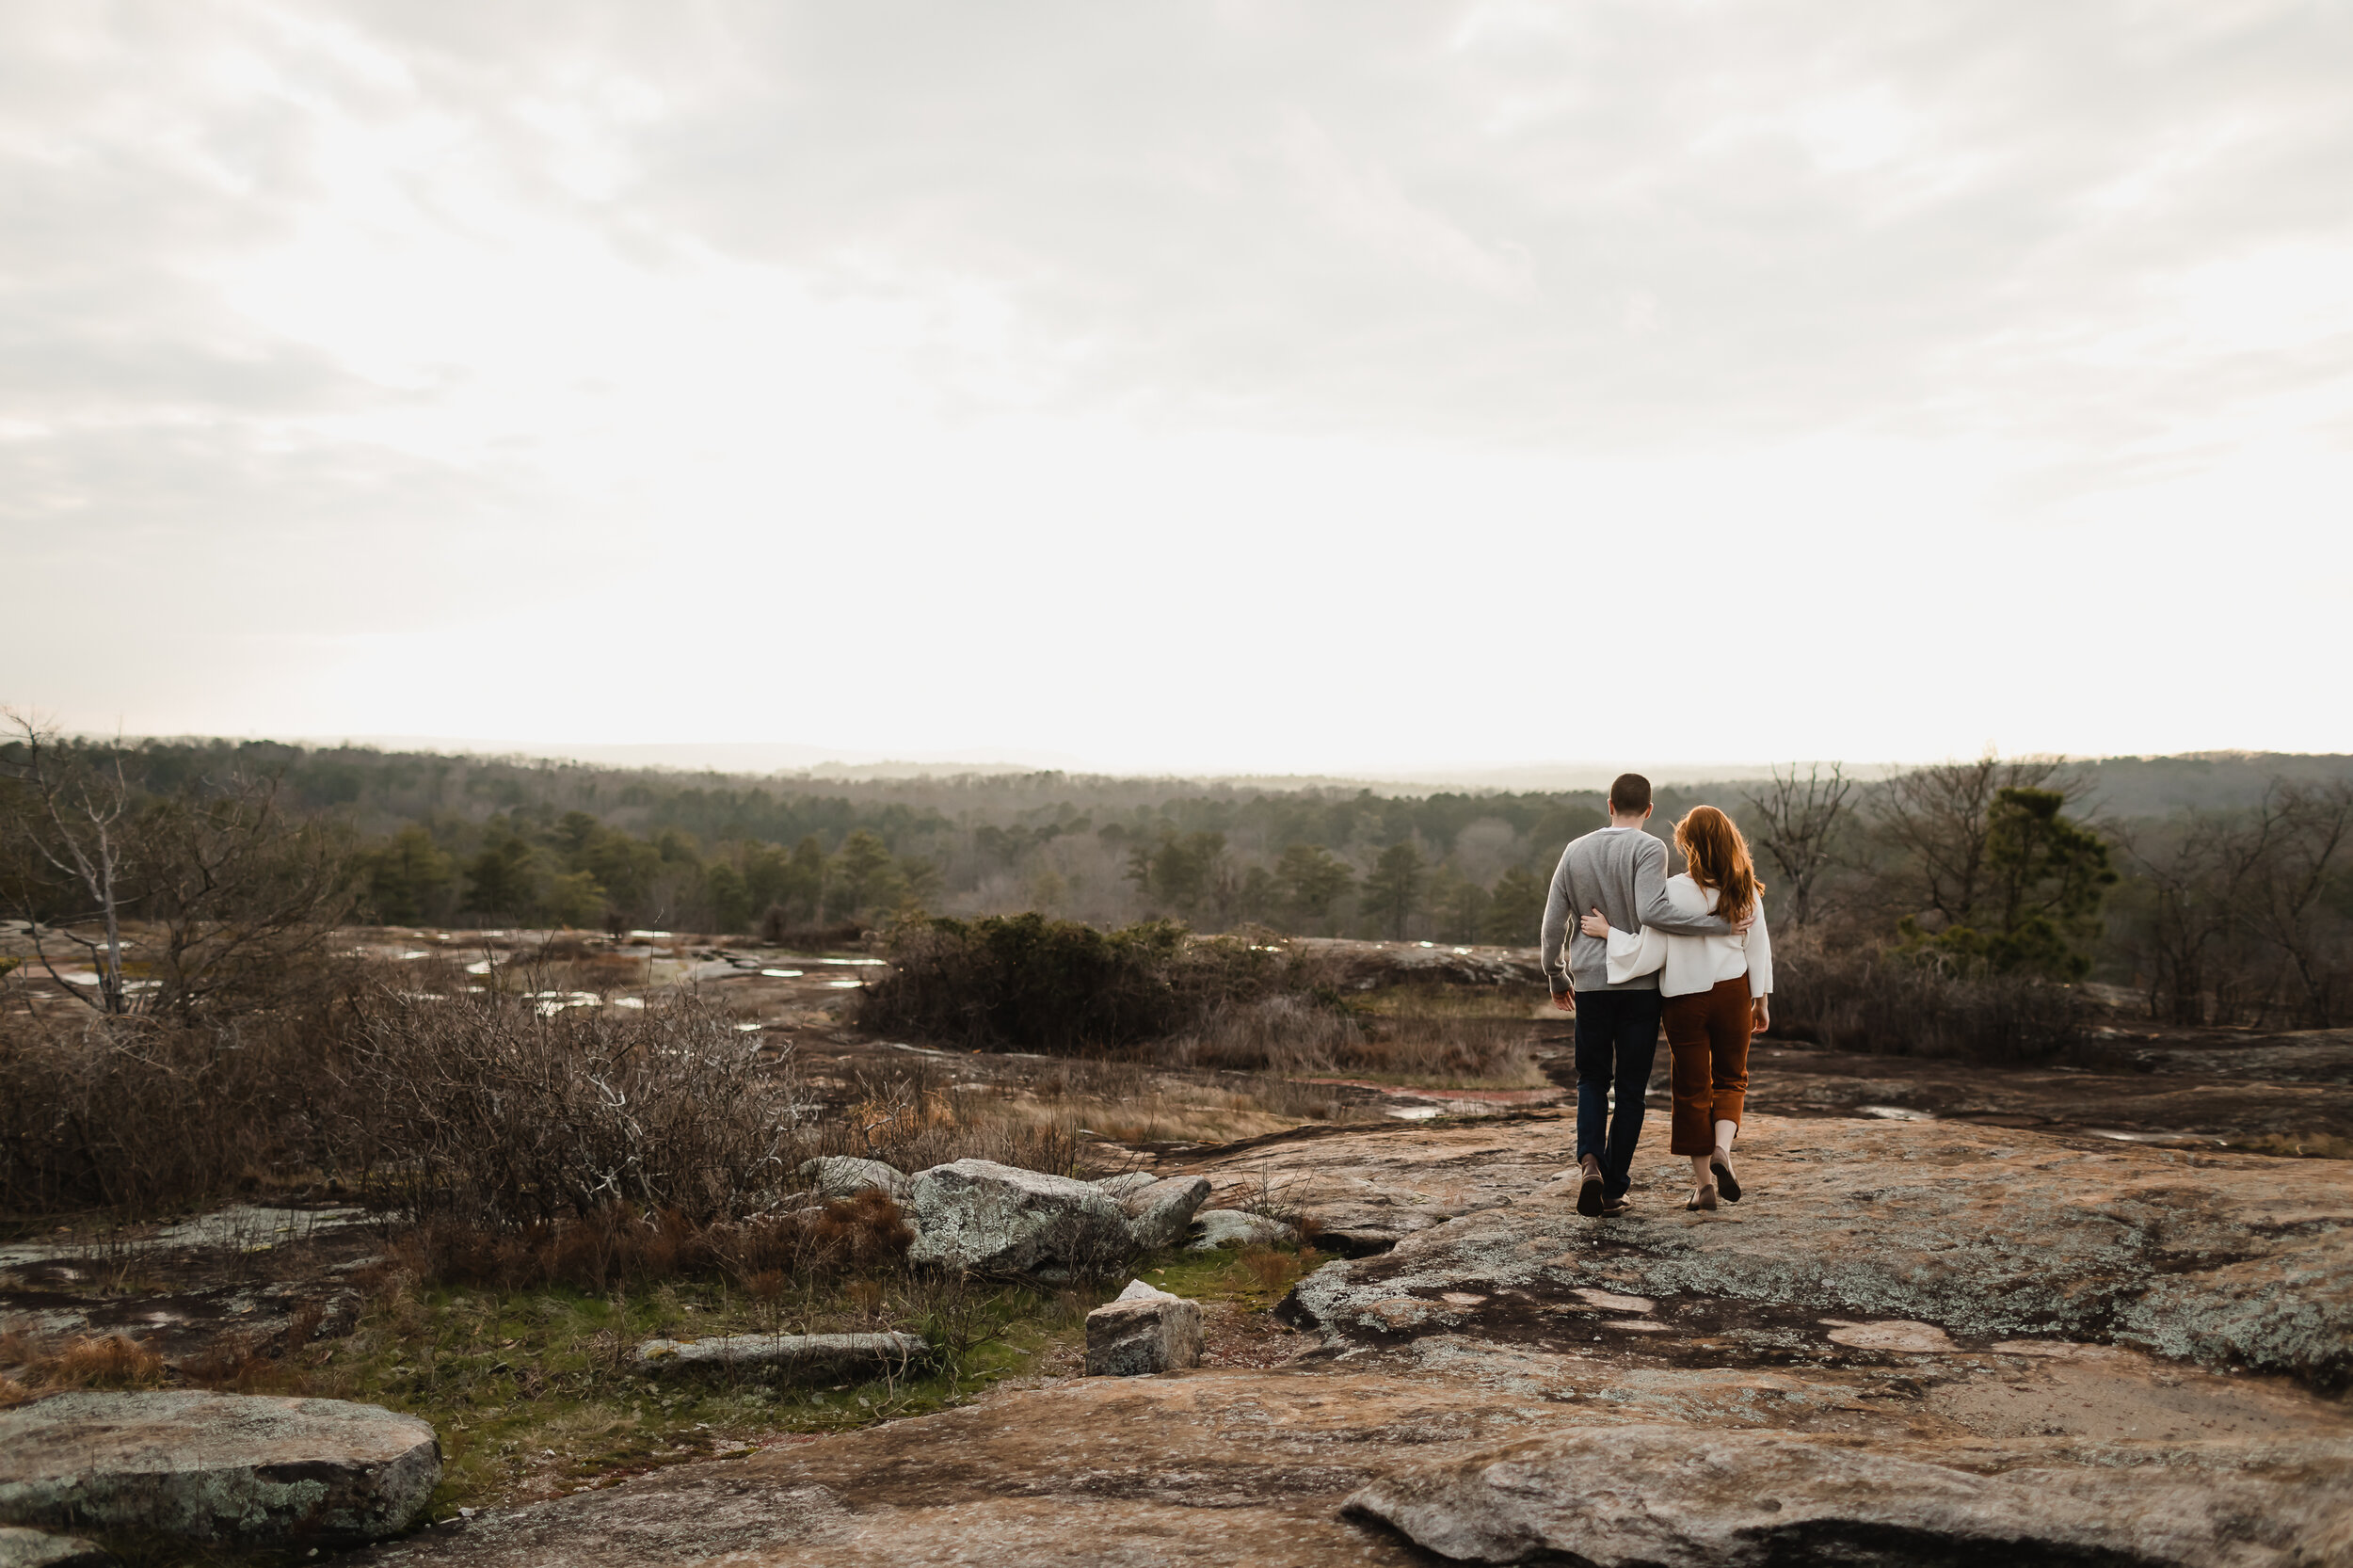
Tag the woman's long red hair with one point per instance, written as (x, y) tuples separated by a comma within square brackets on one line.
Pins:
[(1716, 857)]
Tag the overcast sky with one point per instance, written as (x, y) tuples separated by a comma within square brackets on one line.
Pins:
[(1221, 386)]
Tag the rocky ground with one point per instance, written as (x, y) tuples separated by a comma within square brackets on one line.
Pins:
[(1920, 1310), (1962, 1313)]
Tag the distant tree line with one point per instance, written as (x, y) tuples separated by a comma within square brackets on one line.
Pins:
[(2237, 909)]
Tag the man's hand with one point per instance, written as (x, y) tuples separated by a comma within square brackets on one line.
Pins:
[(1565, 1000), (1761, 1012), (1740, 926)]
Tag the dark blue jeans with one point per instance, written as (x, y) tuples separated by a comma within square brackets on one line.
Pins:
[(1617, 1039)]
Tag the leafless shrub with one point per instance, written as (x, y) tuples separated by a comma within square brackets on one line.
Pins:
[(1026, 982), (138, 1114), (778, 930), (233, 890), (1856, 995), (514, 1111)]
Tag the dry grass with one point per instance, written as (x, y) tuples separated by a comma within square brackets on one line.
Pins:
[(1295, 1035), (2300, 1145), (617, 1247), (917, 1114), (85, 1361), (1274, 1272)]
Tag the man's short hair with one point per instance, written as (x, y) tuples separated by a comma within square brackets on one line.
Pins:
[(1629, 796)]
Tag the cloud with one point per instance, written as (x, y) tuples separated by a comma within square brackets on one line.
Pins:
[(413, 301)]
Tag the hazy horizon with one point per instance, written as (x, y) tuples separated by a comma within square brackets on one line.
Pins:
[(1287, 389), (757, 759)]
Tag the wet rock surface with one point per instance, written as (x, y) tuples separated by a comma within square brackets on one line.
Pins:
[(2208, 1089), (231, 1467)]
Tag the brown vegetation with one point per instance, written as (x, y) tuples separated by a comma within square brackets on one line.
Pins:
[(141, 1113), (616, 1246), (1861, 997), (523, 1112), (85, 1361)]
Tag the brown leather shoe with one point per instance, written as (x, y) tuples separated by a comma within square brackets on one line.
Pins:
[(1706, 1199), (1588, 1201), (1726, 1182)]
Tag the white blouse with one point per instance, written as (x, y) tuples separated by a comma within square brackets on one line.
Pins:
[(1692, 964)]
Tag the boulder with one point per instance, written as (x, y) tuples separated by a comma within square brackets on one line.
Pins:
[(1124, 1183), (23, 1548), (235, 1467), (1213, 1228), (999, 1220), (843, 1175), (1664, 1496), (797, 1355), (1159, 1213), (1143, 1331)]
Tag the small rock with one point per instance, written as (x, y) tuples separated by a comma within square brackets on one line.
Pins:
[(1143, 1331), (799, 1354), (23, 1548), (1213, 1228), (996, 1219), (1159, 1213), (241, 1467), (843, 1175)]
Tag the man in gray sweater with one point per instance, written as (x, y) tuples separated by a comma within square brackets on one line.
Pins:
[(1621, 871)]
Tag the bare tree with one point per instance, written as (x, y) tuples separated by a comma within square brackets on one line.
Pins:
[(2188, 935), (1801, 823), (237, 890), (68, 819), (230, 888), (1938, 820), (2308, 831)]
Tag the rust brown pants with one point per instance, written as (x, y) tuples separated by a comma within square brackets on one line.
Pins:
[(1707, 1044)]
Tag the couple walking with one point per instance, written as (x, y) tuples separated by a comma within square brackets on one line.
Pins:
[(1626, 946)]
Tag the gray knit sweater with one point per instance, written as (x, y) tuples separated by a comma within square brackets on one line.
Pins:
[(1623, 872)]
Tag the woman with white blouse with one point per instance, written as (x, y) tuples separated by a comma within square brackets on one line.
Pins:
[(1715, 991)]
